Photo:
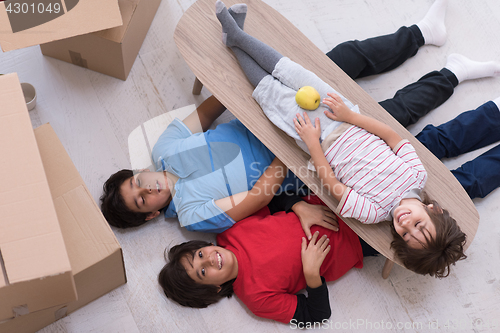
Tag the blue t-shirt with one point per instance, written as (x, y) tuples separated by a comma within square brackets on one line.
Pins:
[(211, 165)]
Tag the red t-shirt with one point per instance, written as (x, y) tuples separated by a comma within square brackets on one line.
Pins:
[(268, 248)]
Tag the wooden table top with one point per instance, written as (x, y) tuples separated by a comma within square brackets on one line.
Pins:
[(198, 37)]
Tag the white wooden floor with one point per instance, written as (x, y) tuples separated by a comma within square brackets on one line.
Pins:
[(93, 115)]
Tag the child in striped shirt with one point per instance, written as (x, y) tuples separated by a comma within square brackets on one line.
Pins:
[(376, 175), (371, 171)]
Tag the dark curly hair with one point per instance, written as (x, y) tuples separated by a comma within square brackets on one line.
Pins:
[(179, 287), (440, 252), (113, 205)]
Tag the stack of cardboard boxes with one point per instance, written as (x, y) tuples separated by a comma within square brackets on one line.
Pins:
[(101, 35), (57, 252)]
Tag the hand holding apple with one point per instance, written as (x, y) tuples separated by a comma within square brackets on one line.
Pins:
[(308, 98), (308, 132), (340, 111)]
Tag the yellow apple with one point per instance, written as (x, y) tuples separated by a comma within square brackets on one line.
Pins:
[(308, 98)]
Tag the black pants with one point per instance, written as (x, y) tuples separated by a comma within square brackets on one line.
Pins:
[(467, 132), (381, 54), (368, 251)]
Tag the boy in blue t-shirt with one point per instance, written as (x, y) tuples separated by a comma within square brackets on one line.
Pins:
[(208, 179)]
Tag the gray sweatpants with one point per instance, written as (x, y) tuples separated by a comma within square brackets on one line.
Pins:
[(276, 96)]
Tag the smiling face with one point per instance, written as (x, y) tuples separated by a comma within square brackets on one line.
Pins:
[(146, 192), (413, 224), (212, 265)]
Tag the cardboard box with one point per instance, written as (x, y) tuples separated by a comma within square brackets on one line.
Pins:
[(35, 270), (26, 23), (94, 252), (111, 51), (95, 255)]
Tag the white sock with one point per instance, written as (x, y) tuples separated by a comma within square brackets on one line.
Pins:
[(432, 25), (497, 102), (466, 69)]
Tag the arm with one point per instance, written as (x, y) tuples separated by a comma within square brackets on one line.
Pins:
[(205, 115), (244, 204), (284, 202), (308, 214), (315, 307), (340, 112), (313, 255), (310, 134)]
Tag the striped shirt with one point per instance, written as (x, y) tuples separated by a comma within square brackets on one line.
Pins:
[(376, 176)]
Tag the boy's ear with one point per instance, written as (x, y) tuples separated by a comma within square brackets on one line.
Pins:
[(218, 291), (431, 207), (152, 215)]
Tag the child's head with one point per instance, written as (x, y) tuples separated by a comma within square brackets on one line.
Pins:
[(129, 201), (426, 238), (198, 274)]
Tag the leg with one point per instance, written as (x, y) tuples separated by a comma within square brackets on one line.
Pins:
[(238, 12), (368, 251), (258, 59), (432, 25), (432, 90), (387, 268), (252, 70), (264, 55), (469, 131), (197, 86), (466, 69), (286, 71), (381, 54), (377, 55), (417, 99), (480, 176), (295, 76)]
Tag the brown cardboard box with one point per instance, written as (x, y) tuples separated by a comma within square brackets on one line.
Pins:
[(31, 22), (111, 51), (35, 270), (94, 253)]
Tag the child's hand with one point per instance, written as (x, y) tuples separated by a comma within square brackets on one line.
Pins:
[(340, 111), (310, 215), (308, 132), (313, 255)]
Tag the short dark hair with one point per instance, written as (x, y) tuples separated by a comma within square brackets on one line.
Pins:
[(440, 252), (179, 287), (113, 205)]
